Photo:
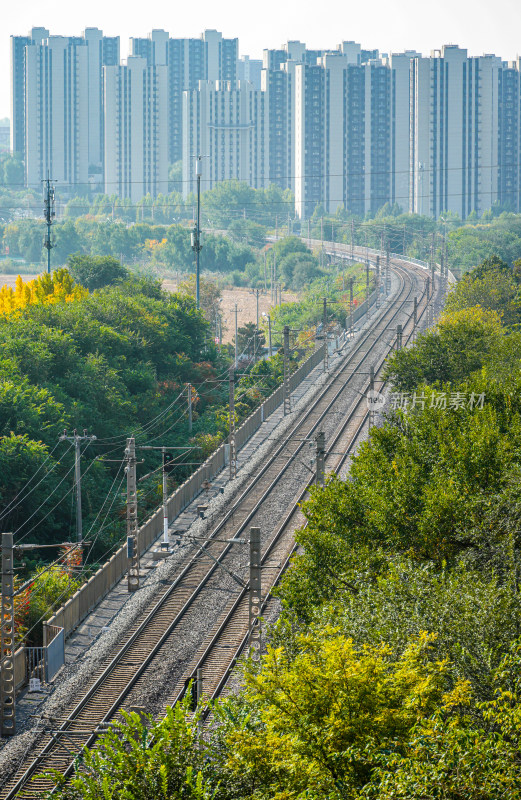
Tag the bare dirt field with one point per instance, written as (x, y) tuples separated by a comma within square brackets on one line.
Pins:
[(10, 280), (246, 306)]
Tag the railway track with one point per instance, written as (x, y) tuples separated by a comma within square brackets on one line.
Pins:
[(163, 631), (218, 656)]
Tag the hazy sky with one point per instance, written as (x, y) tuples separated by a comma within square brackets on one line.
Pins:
[(483, 26)]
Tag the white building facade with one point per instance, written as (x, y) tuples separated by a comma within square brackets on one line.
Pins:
[(227, 124), (56, 113), (454, 146), (136, 142)]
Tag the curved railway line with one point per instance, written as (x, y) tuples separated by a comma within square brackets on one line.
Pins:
[(152, 643)]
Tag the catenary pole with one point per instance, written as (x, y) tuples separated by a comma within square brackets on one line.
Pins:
[(196, 235), (132, 529), (7, 641), (77, 441)]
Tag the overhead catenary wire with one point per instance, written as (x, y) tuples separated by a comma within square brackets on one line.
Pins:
[(9, 508), (307, 175), (103, 524), (71, 489)]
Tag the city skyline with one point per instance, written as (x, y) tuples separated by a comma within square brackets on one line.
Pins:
[(379, 25), (352, 127)]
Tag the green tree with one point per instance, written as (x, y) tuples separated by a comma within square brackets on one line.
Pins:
[(458, 346), (248, 339), (52, 586), (495, 290), (175, 177), (13, 172), (209, 295), (93, 272), (459, 754), (140, 760), (320, 720)]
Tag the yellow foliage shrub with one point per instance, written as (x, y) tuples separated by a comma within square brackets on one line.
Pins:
[(46, 289)]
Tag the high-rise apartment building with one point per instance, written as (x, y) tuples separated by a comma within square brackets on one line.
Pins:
[(221, 56), (509, 193), (249, 69), (18, 80), (278, 80), (276, 85), (342, 134), (211, 57), (291, 51), (400, 65), (309, 143), (455, 123), (136, 144), (226, 123), (101, 51), (57, 104), (56, 113)]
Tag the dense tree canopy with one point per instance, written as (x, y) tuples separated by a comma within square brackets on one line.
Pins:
[(94, 272)]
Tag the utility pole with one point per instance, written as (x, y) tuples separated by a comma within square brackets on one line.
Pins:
[(432, 261), (371, 397), (322, 241), (257, 292), (7, 641), (351, 287), (198, 699), (132, 529), (414, 318), (233, 449), (76, 440), (378, 281), (287, 395), (352, 240), (320, 441), (189, 392), (367, 282), (167, 459), (265, 274), (236, 337), (196, 235), (399, 334), (324, 334), (387, 268), (270, 348), (49, 213), (255, 595)]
